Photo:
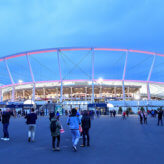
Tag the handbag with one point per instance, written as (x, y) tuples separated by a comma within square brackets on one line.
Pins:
[(80, 129)]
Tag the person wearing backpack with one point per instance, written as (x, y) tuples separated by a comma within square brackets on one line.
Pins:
[(74, 121), (145, 117), (86, 125), (55, 132), (160, 114)]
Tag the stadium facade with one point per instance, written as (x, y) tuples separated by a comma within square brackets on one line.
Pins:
[(82, 74)]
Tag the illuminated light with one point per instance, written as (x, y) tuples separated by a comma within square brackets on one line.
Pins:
[(137, 97), (143, 52), (100, 80), (77, 49), (74, 49), (20, 81), (110, 105), (39, 52), (29, 102), (110, 49)]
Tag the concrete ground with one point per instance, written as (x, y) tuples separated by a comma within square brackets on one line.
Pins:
[(113, 140)]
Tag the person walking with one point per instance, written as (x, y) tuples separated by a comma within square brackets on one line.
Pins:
[(31, 122), (141, 115), (86, 125), (5, 121), (74, 122), (145, 117), (124, 115), (114, 113), (55, 132), (51, 115), (127, 113), (160, 114)]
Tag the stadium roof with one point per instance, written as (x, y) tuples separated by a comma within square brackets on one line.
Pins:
[(76, 64)]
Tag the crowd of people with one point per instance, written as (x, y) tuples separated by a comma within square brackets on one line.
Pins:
[(143, 115), (79, 124), (76, 122)]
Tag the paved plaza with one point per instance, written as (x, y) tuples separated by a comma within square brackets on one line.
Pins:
[(113, 140)]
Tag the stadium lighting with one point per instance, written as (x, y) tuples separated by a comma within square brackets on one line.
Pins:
[(100, 80), (110, 105), (20, 81), (137, 97)]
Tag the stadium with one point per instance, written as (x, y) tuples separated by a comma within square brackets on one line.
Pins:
[(82, 76)]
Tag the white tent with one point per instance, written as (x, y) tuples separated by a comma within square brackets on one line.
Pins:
[(29, 102)]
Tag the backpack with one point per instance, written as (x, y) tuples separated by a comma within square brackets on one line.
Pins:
[(53, 126)]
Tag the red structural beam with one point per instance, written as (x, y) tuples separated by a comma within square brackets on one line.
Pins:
[(76, 49)]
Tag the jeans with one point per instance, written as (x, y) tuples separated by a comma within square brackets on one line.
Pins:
[(31, 131), (53, 141), (75, 136), (160, 121), (85, 133), (145, 120), (5, 130)]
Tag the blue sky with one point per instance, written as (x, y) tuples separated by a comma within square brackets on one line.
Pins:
[(37, 24)]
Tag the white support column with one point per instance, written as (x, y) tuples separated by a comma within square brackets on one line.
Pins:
[(1, 97), (44, 92), (93, 98), (33, 92), (115, 94), (123, 76), (100, 93), (57, 94), (23, 94), (71, 93), (85, 93), (12, 81), (32, 76), (61, 80), (128, 93), (148, 79)]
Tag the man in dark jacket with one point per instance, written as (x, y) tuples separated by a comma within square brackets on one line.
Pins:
[(5, 122), (86, 124), (51, 115), (160, 113), (31, 122)]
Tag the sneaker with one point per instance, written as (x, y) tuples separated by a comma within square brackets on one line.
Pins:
[(57, 149), (2, 138), (29, 139), (53, 149), (82, 145), (74, 148), (6, 139)]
